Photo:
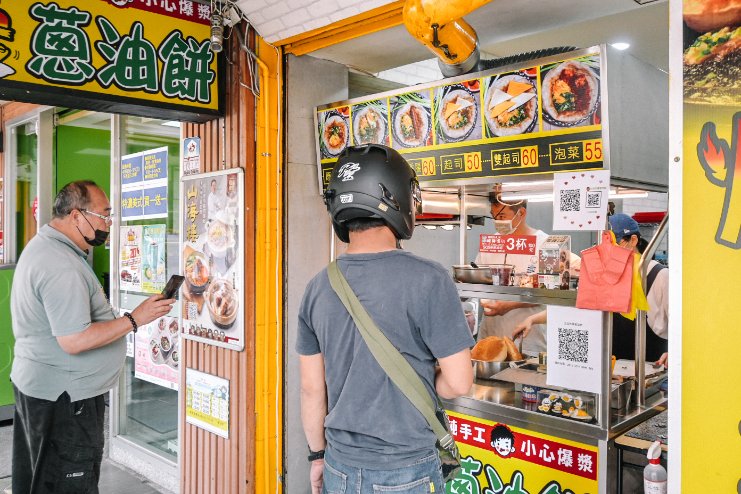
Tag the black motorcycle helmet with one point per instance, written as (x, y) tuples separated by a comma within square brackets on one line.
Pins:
[(373, 181)]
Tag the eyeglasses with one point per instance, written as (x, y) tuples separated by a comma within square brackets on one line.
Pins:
[(108, 219)]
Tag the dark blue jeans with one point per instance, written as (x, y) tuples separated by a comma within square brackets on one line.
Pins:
[(421, 477), (57, 445)]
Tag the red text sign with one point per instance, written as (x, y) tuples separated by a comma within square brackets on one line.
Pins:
[(545, 452), (507, 244)]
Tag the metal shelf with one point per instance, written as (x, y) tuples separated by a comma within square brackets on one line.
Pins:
[(539, 296)]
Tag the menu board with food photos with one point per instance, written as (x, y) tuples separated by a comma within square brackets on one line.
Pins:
[(157, 352), (540, 118), (212, 259)]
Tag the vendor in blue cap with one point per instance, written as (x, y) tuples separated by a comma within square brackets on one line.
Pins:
[(628, 235)]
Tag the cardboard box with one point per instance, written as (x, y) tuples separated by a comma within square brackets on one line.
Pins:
[(554, 262)]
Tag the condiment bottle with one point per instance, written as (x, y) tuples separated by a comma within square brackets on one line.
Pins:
[(654, 475)]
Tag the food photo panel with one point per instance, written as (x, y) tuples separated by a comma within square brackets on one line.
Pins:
[(370, 123), (570, 93), (212, 258), (411, 120), (334, 131), (457, 112), (511, 103)]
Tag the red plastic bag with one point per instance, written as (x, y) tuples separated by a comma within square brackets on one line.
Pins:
[(606, 277)]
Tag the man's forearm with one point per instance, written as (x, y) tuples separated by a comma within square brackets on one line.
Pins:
[(313, 413), (97, 335)]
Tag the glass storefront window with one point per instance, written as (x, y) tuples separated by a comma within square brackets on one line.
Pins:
[(148, 254), (24, 156)]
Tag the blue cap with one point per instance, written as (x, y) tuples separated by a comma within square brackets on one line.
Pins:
[(623, 225)]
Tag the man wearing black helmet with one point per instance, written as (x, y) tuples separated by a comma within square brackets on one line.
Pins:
[(373, 436)]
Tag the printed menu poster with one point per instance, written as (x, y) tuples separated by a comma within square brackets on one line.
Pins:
[(207, 402), (154, 258), (580, 200), (212, 258), (574, 348), (144, 185), (157, 352), (130, 259)]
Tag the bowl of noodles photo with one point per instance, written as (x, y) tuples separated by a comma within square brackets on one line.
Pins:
[(220, 237), (197, 273), (222, 303)]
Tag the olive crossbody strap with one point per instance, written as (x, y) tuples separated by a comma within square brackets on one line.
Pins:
[(401, 373)]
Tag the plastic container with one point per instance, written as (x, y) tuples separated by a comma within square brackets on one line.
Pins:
[(654, 475)]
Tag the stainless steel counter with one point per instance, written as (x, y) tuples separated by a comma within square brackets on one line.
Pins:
[(7, 266), (498, 401)]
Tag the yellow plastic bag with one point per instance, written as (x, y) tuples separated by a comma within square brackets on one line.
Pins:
[(638, 298)]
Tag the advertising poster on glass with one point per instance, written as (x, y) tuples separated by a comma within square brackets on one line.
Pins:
[(212, 258), (157, 352), (144, 184), (154, 258), (207, 402), (130, 258)]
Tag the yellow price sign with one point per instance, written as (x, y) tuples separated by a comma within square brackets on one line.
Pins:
[(592, 150), (424, 167), (472, 162), (529, 156)]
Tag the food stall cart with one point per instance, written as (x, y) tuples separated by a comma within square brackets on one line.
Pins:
[(586, 114)]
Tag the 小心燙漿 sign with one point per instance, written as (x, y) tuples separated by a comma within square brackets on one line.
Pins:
[(124, 56)]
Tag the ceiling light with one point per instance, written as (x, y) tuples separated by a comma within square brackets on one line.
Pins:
[(621, 46), (172, 123)]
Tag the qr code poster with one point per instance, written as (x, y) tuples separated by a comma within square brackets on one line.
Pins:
[(580, 200), (574, 348)]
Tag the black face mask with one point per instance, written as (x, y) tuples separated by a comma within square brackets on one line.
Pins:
[(100, 235)]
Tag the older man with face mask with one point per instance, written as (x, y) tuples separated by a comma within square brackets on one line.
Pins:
[(69, 347)]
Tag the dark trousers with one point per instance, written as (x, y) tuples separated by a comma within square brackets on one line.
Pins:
[(57, 445)]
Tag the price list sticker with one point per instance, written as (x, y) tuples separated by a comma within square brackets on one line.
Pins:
[(423, 167), (461, 163), (522, 157), (569, 153)]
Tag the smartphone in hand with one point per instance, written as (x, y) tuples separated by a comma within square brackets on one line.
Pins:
[(173, 285)]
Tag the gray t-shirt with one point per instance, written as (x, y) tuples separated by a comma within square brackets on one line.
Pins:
[(370, 423), (56, 293)]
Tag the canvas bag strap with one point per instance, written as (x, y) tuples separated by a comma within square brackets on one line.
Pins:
[(401, 373)]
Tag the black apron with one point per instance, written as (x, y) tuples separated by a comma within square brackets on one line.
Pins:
[(623, 331)]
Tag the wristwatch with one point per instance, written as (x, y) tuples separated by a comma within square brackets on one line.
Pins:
[(316, 455), (134, 327)]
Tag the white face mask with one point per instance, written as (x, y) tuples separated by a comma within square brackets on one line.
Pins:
[(506, 227)]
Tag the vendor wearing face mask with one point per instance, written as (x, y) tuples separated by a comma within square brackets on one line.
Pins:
[(501, 317)]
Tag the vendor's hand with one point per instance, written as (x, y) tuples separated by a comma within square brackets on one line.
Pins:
[(316, 476), (663, 360), (523, 329), (495, 307), (151, 309)]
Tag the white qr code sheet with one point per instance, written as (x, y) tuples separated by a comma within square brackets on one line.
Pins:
[(574, 348), (580, 200)]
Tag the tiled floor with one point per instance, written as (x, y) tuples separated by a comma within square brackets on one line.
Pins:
[(114, 478)]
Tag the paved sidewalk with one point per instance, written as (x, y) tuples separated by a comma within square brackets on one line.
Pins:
[(114, 478)]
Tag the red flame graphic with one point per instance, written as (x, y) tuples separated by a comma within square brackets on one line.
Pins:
[(713, 154)]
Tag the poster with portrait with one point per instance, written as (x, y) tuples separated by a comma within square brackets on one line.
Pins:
[(212, 257), (157, 352)]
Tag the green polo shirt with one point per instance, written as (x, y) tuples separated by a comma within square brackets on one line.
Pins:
[(56, 293)]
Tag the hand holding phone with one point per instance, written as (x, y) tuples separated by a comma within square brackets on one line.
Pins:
[(172, 286)]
